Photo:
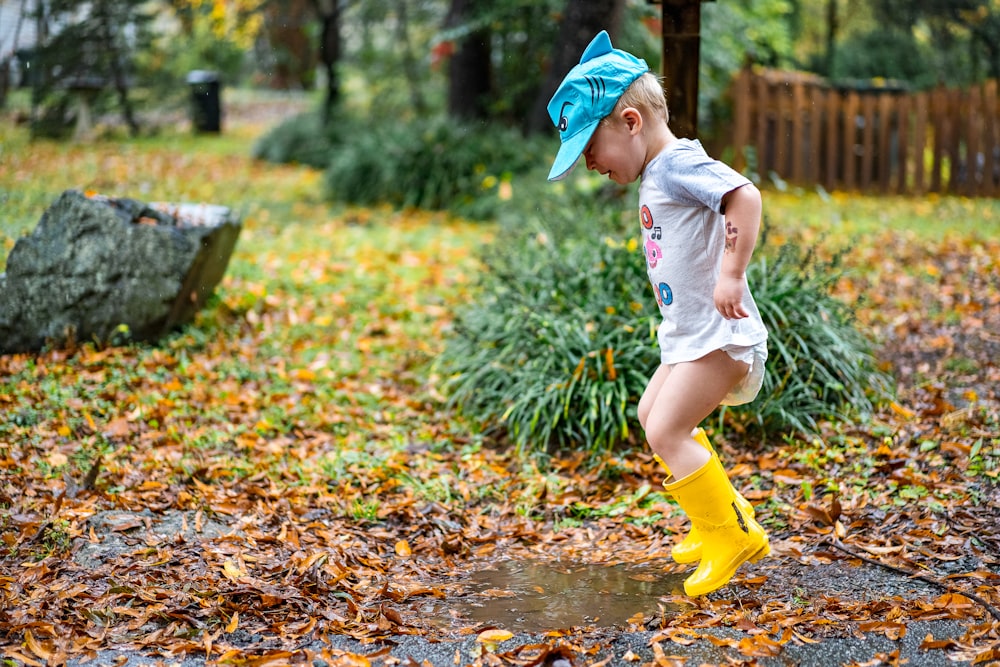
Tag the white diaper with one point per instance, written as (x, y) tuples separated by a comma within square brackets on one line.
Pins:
[(749, 386)]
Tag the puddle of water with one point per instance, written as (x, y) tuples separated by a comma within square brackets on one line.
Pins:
[(536, 596)]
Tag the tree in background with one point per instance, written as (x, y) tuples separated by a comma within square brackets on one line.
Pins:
[(329, 13), (919, 43), (87, 51), (470, 71), (578, 24), (289, 55)]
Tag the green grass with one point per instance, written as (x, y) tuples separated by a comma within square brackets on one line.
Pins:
[(853, 218)]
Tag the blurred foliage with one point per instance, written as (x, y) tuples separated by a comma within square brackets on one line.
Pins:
[(433, 163), (301, 139)]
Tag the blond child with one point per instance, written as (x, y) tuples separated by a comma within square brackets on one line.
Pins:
[(699, 221)]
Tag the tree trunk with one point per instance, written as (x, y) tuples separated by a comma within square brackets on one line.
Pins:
[(469, 73), (295, 60), (582, 20), (330, 46), (117, 71), (831, 36), (410, 69)]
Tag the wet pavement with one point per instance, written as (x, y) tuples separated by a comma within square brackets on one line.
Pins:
[(535, 599)]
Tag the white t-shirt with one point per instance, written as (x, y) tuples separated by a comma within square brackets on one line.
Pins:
[(683, 239)]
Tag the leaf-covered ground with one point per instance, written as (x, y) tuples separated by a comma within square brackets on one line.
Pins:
[(285, 470)]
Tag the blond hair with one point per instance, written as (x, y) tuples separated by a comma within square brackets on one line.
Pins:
[(645, 94)]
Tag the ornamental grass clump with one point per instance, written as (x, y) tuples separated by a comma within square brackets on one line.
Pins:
[(557, 348)]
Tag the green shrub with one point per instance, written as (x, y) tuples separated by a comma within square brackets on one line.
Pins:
[(301, 139), (434, 163), (558, 345)]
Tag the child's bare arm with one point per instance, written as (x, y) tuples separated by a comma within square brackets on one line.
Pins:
[(743, 209)]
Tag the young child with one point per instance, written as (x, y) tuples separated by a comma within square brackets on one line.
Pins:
[(699, 221)]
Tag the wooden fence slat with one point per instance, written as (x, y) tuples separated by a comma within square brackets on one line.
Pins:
[(903, 134), (850, 139), (938, 102), (782, 116), (833, 143), (761, 90), (817, 97), (991, 139), (886, 128), (921, 104), (953, 138), (799, 139), (867, 140), (973, 133)]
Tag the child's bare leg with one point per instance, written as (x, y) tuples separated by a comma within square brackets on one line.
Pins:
[(649, 394), (677, 400)]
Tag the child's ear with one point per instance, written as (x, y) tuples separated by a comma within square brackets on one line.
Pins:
[(632, 119)]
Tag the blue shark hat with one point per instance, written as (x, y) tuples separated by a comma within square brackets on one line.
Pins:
[(586, 95)]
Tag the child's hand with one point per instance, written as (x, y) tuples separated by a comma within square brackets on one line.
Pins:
[(729, 297)]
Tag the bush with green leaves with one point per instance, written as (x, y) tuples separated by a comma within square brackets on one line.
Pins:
[(558, 345), (301, 139), (433, 163)]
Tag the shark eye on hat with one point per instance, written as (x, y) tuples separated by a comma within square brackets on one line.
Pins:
[(563, 120)]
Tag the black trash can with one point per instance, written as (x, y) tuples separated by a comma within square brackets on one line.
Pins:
[(206, 107)]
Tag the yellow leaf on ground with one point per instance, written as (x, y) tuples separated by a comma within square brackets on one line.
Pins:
[(494, 635), (36, 646), (403, 548), (232, 570)]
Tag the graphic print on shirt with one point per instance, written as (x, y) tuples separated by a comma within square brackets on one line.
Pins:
[(654, 254)]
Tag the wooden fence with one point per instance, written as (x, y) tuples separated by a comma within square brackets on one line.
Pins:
[(875, 140)]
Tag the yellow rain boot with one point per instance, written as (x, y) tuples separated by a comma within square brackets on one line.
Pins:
[(729, 537), (688, 550)]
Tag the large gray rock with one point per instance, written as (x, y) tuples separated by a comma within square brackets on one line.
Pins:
[(96, 265)]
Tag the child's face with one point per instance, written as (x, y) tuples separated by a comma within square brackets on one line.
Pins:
[(615, 149)]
